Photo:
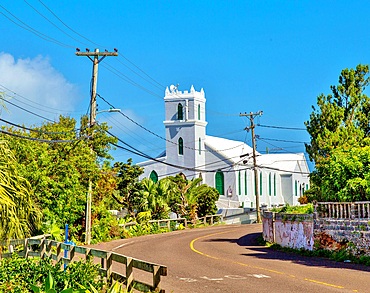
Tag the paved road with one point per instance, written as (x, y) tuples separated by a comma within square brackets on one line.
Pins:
[(227, 258)]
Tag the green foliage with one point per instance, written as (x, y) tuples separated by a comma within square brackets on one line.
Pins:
[(18, 274), (128, 186), (19, 215), (340, 130), (59, 173), (344, 175), (303, 209), (105, 226)]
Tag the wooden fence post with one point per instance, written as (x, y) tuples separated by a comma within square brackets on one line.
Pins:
[(42, 248), (186, 223), (212, 220), (353, 211), (25, 248), (169, 225), (129, 273), (72, 253), (205, 220), (157, 278), (109, 266)]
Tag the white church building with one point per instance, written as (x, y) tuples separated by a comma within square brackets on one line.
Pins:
[(224, 164)]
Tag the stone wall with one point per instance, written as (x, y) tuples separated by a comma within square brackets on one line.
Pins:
[(351, 233), (268, 226)]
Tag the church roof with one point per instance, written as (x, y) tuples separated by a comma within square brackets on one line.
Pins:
[(284, 162), (228, 148)]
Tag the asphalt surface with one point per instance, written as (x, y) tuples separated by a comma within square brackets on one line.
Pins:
[(227, 258)]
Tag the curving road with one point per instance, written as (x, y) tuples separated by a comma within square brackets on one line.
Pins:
[(227, 258)]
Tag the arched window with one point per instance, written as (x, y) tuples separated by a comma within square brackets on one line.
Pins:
[(200, 146), (240, 183), (154, 176), (181, 146), (274, 184), (180, 115), (270, 184), (261, 183), (245, 183), (198, 111), (220, 182)]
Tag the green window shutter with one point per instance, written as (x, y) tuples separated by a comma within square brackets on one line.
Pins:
[(255, 185), (200, 146), (274, 184), (240, 183), (261, 183), (180, 115), (181, 146), (296, 188), (270, 184), (154, 176), (306, 186), (220, 182), (198, 111), (245, 183)]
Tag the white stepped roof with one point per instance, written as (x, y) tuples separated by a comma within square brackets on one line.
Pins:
[(228, 148)]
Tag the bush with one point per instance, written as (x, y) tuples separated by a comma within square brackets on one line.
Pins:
[(304, 209), (17, 274)]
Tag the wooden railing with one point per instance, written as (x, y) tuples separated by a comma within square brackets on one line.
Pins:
[(23, 248), (343, 210), (167, 222)]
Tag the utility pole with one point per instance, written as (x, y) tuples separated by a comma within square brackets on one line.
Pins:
[(251, 115), (95, 61)]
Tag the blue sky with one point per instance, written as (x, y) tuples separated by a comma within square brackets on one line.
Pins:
[(274, 56)]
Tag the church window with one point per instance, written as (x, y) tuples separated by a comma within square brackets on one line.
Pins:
[(274, 184), (240, 183), (261, 183), (200, 146), (198, 111), (270, 184), (154, 176), (181, 146), (296, 188), (220, 182), (245, 183), (180, 115), (306, 186)]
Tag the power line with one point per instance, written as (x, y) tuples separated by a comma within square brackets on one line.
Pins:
[(27, 110), (282, 140), (40, 131), (35, 32), (41, 140), (146, 129), (281, 127), (54, 24)]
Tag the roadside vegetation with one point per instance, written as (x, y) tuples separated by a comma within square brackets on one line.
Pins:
[(302, 209)]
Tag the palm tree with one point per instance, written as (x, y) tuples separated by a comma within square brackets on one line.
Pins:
[(19, 215)]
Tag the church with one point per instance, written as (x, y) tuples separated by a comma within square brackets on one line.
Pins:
[(224, 164)]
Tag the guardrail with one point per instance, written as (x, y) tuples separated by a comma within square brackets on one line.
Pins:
[(167, 222), (343, 210), (45, 250)]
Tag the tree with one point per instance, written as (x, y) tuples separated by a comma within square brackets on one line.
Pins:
[(59, 173), (340, 130), (341, 118), (128, 185), (19, 215)]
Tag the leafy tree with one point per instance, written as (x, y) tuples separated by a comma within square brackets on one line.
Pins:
[(128, 185), (340, 130), (342, 117), (59, 173), (19, 216)]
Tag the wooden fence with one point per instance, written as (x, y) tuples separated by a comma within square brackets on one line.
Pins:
[(167, 222), (45, 249), (343, 210)]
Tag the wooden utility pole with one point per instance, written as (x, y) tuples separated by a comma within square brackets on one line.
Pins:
[(251, 115), (95, 61)]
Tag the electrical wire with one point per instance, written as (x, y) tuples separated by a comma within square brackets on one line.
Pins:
[(282, 140), (40, 131), (281, 127), (41, 140), (6, 101), (141, 126), (35, 32)]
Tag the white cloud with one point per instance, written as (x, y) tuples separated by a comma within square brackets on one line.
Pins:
[(37, 80)]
